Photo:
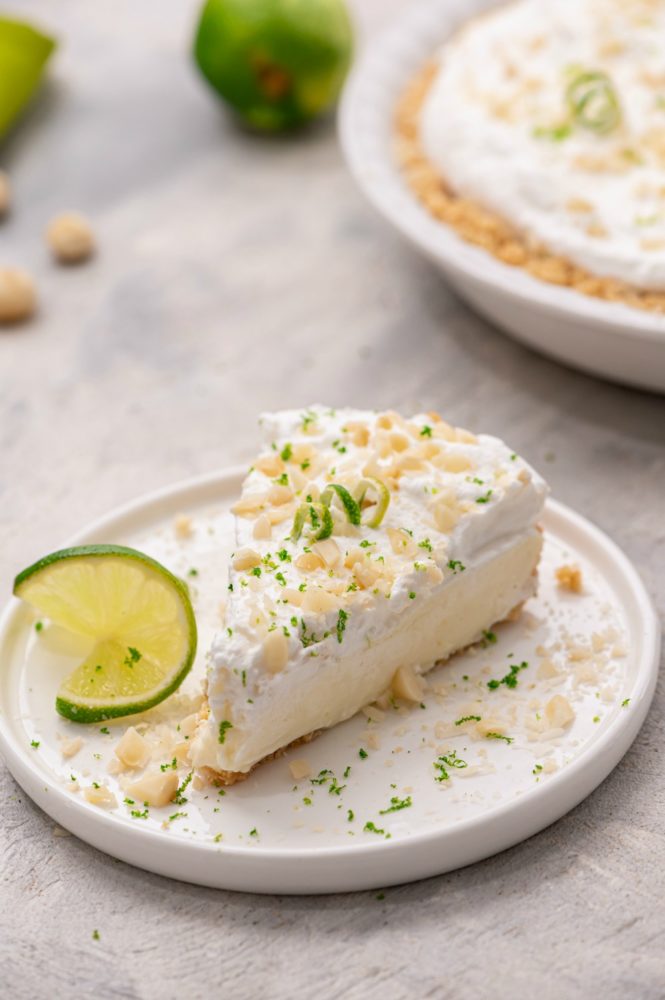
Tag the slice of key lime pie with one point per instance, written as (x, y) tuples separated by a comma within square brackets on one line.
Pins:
[(369, 547)]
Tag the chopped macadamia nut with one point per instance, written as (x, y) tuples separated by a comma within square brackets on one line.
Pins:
[(70, 238), (277, 515), (546, 669), (275, 652), (586, 672), (489, 725), (398, 441), (270, 465), (359, 433), (182, 526), (318, 601), (328, 549), (181, 752), (445, 516), (300, 768), (452, 461), (249, 506), (157, 789), (408, 684), (366, 574), (371, 738), (18, 297), (188, 725), (262, 528), (279, 495), (559, 712), (309, 561), (133, 750), (569, 577), (401, 542), (246, 559), (70, 747), (598, 642), (100, 796), (292, 596)]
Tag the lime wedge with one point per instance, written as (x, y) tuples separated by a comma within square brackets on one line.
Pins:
[(137, 616), (24, 52)]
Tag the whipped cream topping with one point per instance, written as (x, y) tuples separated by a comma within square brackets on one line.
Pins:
[(294, 603), (506, 123)]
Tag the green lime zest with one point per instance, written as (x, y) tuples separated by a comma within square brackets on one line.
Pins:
[(555, 133), (351, 507), (376, 488), (318, 516), (593, 101)]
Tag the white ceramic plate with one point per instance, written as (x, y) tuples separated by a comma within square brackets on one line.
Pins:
[(599, 337), (507, 792)]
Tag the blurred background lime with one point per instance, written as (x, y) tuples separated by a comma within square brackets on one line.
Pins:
[(277, 63), (24, 52)]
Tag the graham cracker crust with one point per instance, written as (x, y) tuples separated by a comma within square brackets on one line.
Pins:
[(485, 229), (227, 778)]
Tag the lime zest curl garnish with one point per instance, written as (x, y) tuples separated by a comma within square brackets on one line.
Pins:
[(318, 516), (351, 507), (376, 486), (593, 101)]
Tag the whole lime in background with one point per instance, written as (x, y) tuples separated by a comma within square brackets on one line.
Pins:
[(24, 52), (278, 63)]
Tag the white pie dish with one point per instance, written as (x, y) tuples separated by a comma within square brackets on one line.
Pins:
[(599, 337), (307, 849)]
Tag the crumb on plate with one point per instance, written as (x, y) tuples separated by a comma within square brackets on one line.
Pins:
[(569, 577)]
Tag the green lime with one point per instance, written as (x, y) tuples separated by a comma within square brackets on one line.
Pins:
[(278, 63), (137, 615), (24, 52)]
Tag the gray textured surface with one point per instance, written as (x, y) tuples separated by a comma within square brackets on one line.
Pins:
[(237, 274)]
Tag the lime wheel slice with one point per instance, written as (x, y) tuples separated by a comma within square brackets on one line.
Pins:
[(137, 615)]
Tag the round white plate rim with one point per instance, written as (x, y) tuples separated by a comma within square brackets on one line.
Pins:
[(393, 200), (151, 850)]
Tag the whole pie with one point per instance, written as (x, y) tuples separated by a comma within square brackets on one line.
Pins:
[(538, 133)]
